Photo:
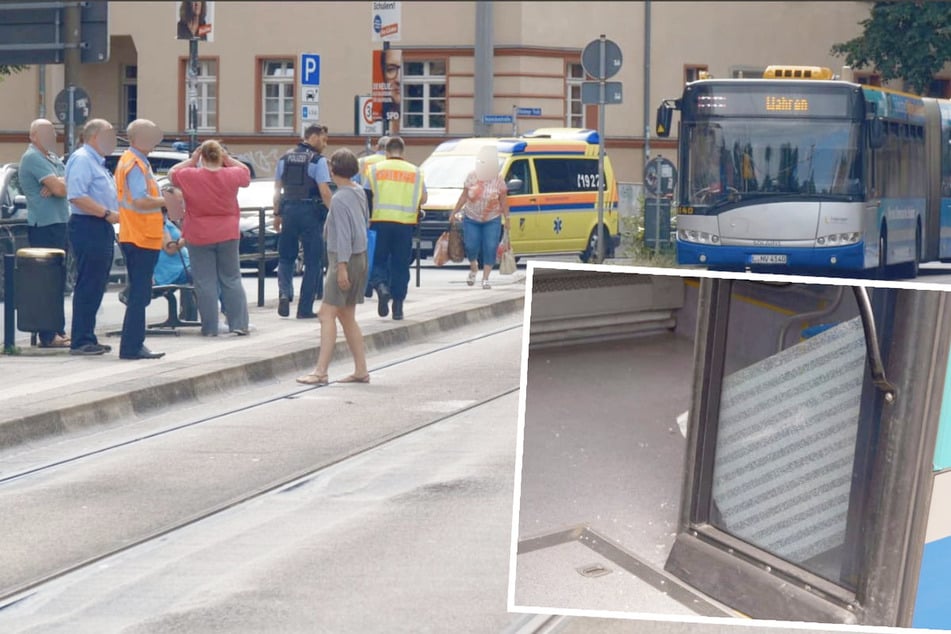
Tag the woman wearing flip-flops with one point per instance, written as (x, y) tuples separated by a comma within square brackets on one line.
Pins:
[(345, 235), (485, 207)]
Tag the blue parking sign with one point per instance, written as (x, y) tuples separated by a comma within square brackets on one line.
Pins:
[(310, 69)]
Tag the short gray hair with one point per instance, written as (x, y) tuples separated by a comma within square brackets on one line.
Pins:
[(138, 126), (381, 144), (93, 127)]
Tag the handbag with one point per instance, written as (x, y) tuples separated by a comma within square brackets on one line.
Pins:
[(507, 261), (441, 250), (456, 245)]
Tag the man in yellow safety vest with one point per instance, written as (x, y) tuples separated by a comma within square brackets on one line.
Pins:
[(367, 161), (397, 191)]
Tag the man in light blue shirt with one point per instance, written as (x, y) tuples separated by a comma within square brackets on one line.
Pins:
[(94, 208), (42, 178)]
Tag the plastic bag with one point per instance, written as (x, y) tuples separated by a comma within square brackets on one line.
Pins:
[(441, 250), (507, 260)]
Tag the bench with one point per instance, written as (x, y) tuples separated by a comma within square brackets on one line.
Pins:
[(173, 320)]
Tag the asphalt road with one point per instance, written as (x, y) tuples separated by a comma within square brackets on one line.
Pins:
[(411, 536)]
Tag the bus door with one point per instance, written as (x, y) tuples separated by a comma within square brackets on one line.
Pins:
[(811, 435), (523, 205)]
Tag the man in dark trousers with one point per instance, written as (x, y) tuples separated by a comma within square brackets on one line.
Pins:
[(93, 209), (397, 191), (42, 177), (301, 201)]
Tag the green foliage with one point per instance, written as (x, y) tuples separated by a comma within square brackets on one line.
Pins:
[(9, 70), (903, 40)]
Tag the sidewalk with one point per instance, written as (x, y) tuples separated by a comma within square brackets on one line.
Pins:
[(48, 392)]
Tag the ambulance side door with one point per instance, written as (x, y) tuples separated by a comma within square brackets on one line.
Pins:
[(523, 205)]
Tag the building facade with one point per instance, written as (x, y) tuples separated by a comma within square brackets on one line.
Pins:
[(248, 90)]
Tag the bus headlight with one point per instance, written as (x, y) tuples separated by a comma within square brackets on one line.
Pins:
[(838, 239), (701, 237)]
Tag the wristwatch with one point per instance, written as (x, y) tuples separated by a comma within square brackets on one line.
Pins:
[(105, 216)]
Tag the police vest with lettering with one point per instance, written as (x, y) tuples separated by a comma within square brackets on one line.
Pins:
[(298, 185), (143, 229), (397, 187)]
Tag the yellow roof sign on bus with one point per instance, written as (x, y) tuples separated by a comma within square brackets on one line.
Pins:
[(797, 72)]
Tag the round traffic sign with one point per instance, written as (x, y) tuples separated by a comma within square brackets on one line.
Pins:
[(82, 106), (368, 112), (591, 59), (660, 176)]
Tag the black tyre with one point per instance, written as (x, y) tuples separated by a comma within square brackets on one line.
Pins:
[(591, 250)]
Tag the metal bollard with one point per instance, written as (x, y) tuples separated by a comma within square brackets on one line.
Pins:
[(418, 238), (262, 265), (9, 304)]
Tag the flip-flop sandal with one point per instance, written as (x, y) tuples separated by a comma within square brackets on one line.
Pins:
[(313, 379), (56, 343)]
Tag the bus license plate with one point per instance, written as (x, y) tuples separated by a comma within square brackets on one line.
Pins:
[(770, 258)]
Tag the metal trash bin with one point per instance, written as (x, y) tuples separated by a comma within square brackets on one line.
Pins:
[(39, 284)]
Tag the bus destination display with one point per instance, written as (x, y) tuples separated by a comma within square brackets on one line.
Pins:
[(774, 100)]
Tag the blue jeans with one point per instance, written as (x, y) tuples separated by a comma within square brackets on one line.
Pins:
[(481, 239), (393, 256), (140, 264), (301, 224), (92, 241)]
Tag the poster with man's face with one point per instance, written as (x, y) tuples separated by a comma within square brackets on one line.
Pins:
[(195, 20), (387, 96)]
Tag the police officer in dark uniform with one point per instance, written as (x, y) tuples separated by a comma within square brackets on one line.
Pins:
[(301, 200)]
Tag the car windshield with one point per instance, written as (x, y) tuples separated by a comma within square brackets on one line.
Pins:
[(449, 171), (731, 160)]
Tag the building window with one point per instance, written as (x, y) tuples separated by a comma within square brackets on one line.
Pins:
[(130, 93), (868, 79), (207, 95), (277, 95), (940, 88), (574, 109), (424, 96), (692, 72)]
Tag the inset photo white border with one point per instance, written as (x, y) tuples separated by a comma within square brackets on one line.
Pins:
[(580, 334)]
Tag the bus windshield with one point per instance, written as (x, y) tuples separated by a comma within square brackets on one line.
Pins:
[(728, 161)]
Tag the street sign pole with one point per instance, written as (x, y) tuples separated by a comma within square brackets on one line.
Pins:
[(71, 120), (386, 121), (193, 93), (601, 100)]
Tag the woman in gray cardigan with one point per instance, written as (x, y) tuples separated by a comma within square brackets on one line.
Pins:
[(345, 234)]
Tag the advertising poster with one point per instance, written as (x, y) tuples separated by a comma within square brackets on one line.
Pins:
[(387, 68), (195, 19)]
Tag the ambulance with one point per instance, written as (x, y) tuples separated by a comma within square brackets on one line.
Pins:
[(552, 178)]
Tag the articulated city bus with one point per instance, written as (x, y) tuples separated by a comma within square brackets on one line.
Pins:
[(798, 172)]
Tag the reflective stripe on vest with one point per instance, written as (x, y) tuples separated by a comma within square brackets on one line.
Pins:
[(141, 229), (397, 187)]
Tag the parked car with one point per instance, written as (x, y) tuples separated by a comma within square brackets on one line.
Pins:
[(13, 233)]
